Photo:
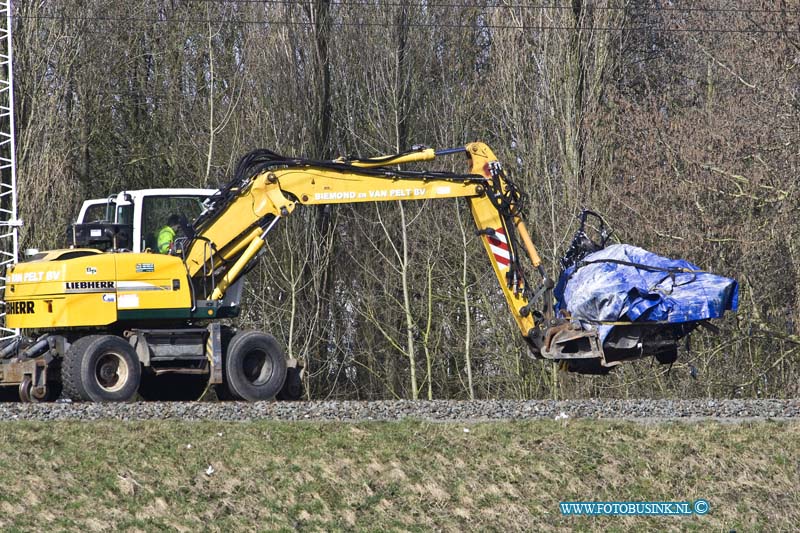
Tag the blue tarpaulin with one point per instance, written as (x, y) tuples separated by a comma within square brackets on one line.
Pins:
[(623, 283)]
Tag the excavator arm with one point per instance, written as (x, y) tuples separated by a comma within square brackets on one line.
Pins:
[(228, 236), (102, 317)]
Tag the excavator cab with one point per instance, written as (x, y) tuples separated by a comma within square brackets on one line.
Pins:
[(130, 220)]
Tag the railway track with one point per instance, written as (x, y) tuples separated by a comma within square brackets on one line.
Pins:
[(440, 410)]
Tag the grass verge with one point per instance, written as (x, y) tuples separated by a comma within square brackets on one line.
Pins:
[(398, 476)]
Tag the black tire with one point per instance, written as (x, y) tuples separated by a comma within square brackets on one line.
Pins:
[(255, 367), (71, 368), (101, 368), (172, 387)]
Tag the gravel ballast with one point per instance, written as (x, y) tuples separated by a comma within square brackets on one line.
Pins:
[(441, 410)]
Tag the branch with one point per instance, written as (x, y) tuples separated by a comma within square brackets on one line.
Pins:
[(721, 64)]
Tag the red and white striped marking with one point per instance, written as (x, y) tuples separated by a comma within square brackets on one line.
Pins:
[(499, 246)]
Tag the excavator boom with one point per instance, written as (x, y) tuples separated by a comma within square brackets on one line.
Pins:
[(268, 187)]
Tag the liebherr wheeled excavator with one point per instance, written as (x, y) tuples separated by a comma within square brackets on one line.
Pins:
[(106, 323)]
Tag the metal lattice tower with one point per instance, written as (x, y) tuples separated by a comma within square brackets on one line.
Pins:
[(9, 223)]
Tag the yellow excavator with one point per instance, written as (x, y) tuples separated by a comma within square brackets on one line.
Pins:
[(105, 322)]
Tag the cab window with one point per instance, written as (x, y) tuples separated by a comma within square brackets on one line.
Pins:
[(157, 209), (98, 213), (125, 214)]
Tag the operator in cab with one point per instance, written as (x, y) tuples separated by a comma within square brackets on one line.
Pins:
[(166, 235)]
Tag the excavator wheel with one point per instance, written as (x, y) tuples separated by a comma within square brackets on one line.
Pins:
[(101, 368), (255, 367), (28, 394), (172, 387), (25, 390)]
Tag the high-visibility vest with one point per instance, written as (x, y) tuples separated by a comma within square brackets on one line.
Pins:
[(165, 237)]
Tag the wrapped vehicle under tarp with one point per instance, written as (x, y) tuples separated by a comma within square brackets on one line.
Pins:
[(640, 303)]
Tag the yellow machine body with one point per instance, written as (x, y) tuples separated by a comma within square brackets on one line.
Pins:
[(87, 288)]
